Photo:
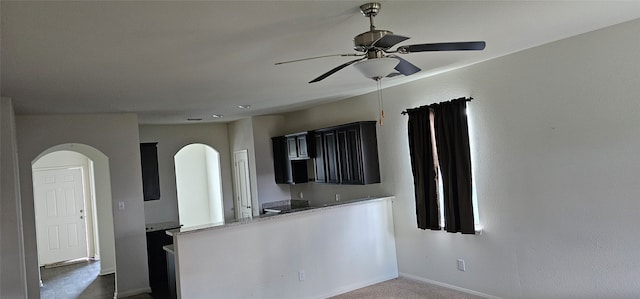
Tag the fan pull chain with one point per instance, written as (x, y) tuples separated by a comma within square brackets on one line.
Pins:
[(380, 104)]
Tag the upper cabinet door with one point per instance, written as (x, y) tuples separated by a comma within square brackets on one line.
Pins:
[(298, 147), (150, 172), (368, 152), (292, 147), (281, 165), (301, 142), (319, 161), (331, 157), (350, 154)]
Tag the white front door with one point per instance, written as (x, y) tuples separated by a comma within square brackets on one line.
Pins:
[(60, 215), (242, 184)]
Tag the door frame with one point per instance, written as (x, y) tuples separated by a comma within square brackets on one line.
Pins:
[(103, 209), (236, 202)]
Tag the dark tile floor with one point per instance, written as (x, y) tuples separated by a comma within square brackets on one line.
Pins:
[(80, 280)]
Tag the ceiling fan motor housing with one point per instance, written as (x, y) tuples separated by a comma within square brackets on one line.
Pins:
[(363, 41)]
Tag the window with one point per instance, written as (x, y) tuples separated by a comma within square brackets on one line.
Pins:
[(441, 166)]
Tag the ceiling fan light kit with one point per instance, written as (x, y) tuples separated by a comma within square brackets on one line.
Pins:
[(376, 53), (378, 68)]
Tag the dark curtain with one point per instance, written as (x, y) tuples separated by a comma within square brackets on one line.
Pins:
[(422, 165), (454, 157)]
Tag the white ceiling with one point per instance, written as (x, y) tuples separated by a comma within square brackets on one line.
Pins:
[(172, 60)]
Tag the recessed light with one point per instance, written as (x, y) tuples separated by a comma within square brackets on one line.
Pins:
[(217, 116), (244, 106)]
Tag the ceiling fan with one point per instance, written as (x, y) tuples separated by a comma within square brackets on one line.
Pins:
[(377, 59)]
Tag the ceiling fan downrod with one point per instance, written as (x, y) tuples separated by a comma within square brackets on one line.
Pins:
[(370, 10), (364, 41)]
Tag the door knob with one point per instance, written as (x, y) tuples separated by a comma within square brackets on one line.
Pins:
[(81, 217)]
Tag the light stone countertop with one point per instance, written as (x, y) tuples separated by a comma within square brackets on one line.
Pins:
[(313, 209)]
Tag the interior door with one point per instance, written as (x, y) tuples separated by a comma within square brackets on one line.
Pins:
[(60, 215), (242, 184)]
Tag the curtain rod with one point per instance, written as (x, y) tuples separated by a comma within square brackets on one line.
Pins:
[(462, 98)]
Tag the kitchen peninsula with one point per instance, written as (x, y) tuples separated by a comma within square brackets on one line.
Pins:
[(313, 253)]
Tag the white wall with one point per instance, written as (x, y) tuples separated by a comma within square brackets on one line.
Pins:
[(115, 135), (214, 187), (265, 127), (191, 186), (555, 152), (12, 255), (171, 138), (339, 249), (241, 138)]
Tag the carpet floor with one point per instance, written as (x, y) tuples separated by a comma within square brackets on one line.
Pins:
[(404, 288), (81, 280)]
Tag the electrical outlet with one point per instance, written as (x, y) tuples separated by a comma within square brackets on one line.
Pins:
[(461, 265), (301, 195), (301, 275), (337, 197), (121, 205)]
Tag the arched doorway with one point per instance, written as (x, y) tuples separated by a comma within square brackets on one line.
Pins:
[(93, 165), (64, 204), (198, 185)]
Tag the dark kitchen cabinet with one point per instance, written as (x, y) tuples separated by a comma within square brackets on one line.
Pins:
[(349, 154), (158, 276), (346, 154), (281, 169), (350, 151), (285, 170), (330, 153), (150, 173)]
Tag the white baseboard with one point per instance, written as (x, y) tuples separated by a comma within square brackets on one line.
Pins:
[(355, 286), (442, 284), (107, 271), (129, 293)]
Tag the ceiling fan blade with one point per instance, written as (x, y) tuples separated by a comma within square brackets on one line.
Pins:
[(389, 41), (393, 75), (460, 46), (329, 73), (406, 68), (323, 56)]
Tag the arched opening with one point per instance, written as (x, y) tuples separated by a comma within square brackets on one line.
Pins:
[(61, 174), (198, 185)]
